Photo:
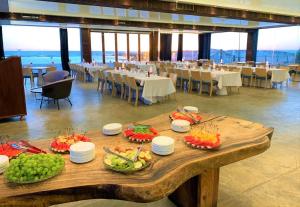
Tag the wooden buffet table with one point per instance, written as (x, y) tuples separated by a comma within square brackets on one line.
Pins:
[(189, 177)]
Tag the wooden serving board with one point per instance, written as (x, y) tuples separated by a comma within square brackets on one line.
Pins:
[(184, 173)]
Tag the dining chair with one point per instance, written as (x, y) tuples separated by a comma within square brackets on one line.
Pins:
[(185, 80), (110, 83), (50, 68), (261, 74), (174, 78), (118, 65), (247, 73), (101, 81), (133, 88), (119, 84), (170, 69), (195, 79), (27, 74), (179, 76), (206, 79)]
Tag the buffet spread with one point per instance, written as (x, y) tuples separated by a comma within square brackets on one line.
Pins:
[(142, 161), (23, 163)]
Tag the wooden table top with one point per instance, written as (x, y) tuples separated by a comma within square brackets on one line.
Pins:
[(240, 139)]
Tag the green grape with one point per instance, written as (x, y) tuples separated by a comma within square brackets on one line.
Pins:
[(33, 168)]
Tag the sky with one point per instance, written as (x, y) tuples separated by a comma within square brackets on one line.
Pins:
[(47, 39)]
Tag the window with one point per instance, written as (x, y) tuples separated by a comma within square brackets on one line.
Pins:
[(174, 46), (278, 46), (228, 47), (190, 46), (122, 47), (109, 43), (133, 47), (145, 42), (74, 45), (47, 51), (96, 46)]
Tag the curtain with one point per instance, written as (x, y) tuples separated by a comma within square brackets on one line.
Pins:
[(165, 46), (204, 41), (1, 44), (180, 49), (64, 49)]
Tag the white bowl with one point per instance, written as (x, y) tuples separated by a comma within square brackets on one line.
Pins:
[(180, 125), (112, 129), (4, 163), (190, 109)]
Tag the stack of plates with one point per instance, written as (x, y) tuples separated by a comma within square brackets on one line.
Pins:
[(82, 152), (4, 163), (180, 125), (112, 129), (162, 145), (190, 109)]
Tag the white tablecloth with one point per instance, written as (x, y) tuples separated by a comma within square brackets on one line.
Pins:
[(147, 67), (227, 78), (279, 75), (155, 87)]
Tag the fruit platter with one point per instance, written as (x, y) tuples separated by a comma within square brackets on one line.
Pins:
[(62, 143), (203, 138), (191, 117), (140, 133), (34, 168), (9, 151), (127, 160)]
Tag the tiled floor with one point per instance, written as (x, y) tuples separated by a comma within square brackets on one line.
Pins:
[(270, 179)]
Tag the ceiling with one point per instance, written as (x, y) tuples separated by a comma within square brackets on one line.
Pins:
[(284, 7), (40, 8)]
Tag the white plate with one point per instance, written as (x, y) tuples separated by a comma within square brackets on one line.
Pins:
[(112, 129), (190, 109), (180, 125)]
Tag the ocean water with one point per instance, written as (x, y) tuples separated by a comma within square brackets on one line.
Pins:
[(42, 58)]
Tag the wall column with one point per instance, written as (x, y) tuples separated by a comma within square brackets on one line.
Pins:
[(180, 47), (252, 40), (85, 40), (204, 41), (153, 56), (1, 44), (64, 49), (103, 47), (165, 46)]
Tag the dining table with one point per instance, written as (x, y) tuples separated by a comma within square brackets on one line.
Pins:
[(40, 70), (189, 177), (155, 87)]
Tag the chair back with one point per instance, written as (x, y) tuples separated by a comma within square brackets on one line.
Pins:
[(261, 72), (118, 78), (118, 65), (109, 76), (185, 74), (55, 76), (50, 68), (27, 71), (173, 77), (206, 76), (163, 74), (170, 69), (131, 82), (178, 72), (130, 66), (247, 71), (58, 89), (196, 75)]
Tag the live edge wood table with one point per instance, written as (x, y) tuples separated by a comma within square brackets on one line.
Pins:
[(189, 177)]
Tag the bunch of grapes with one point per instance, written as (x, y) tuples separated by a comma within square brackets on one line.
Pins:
[(34, 168)]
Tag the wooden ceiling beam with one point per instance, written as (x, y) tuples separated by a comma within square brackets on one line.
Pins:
[(122, 23), (190, 9)]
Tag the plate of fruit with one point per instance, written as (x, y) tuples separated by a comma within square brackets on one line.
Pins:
[(34, 168), (140, 133), (192, 117), (127, 160), (62, 143), (202, 139)]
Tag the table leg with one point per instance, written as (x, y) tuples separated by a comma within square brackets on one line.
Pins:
[(199, 191)]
